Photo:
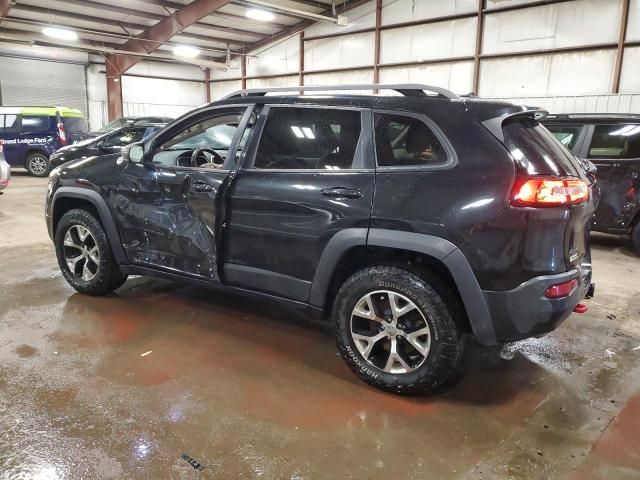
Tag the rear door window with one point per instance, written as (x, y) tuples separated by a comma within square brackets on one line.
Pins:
[(35, 124), (309, 139), (620, 141), (537, 150), (403, 141)]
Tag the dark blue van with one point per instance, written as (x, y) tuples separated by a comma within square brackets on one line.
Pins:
[(31, 134)]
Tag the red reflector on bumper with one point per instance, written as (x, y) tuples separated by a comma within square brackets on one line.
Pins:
[(561, 290), (580, 308)]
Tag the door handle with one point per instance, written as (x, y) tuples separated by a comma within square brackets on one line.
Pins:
[(341, 192), (201, 187)]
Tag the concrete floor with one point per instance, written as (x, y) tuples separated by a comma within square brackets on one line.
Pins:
[(122, 387)]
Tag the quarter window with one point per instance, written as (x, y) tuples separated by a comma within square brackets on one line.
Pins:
[(615, 141), (567, 135), (309, 138), (403, 141)]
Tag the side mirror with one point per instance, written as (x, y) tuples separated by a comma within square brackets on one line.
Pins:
[(133, 153), (100, 145)]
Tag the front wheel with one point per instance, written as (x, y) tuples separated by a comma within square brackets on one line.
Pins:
[(37, 164), (84, 254), (395, 331)]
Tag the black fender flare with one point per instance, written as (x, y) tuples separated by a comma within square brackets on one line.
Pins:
[(433, 246), (106, 218)]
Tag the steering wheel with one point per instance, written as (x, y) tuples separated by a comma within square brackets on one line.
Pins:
[(199, 152)]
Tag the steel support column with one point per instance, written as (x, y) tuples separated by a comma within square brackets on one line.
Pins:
[(5, 6), (207, 84), (624, 22), (114, 90), (376, 51), (478, 51)]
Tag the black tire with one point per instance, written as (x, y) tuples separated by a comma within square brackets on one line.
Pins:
[(107, 277), (635, 238), (445, 350), (37, 164)]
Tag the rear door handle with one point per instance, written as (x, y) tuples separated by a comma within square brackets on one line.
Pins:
[(201, 187), (341, 192)]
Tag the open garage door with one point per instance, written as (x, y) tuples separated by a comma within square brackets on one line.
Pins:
[(26, 82)]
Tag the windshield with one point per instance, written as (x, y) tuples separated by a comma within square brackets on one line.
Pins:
[(116, 124)]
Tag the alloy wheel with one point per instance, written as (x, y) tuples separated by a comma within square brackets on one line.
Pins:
[(38, 165), (390, 332), (81, 252)]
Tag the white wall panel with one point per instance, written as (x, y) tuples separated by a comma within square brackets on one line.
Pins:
[(360, 17), (283, 57), (348, 51), (454, 38), (162, 92), (630, 78), (341, 78), (284, 81), (223, 88), (548, 75), (397, 11), (233, 71), (506, 3), (457, 77), (160, 69), (568, 24), (583, 104), (633, 27)]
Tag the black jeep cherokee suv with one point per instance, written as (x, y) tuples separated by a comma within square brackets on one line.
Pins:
[(612, 143), (409, 220)]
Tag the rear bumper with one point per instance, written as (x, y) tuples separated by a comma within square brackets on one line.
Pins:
[(525, 312)]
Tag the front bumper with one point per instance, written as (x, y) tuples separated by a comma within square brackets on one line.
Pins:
[(525, 311)]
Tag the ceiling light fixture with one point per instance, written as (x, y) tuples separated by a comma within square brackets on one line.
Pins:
[(262, 15), (60, 33), (186, 51)]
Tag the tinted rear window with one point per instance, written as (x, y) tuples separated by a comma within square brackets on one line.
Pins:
[(35, 124), (536, 150), (615, 141)]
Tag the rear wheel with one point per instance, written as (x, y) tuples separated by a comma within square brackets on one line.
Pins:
[(395, 331), (84, 254), (37, 164), (635, 237)]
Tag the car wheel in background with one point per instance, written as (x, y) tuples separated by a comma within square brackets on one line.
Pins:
[(84, 254), (37, 164), (396, 331)]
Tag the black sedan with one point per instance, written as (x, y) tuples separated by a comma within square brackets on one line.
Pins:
[(110, 142)]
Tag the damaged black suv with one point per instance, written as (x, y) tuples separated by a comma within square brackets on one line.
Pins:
[(407, 220)]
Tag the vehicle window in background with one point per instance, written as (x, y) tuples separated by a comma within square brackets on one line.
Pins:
[(309, 138), (8, 123), (615, 141), (35, 124), (125, 137), (116, 124), (537, 150), (73, 125), (566, 134), (406, 141)]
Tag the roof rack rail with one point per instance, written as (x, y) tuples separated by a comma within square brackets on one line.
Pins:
[(408, 90)]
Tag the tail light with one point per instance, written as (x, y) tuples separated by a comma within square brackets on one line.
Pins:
[(61, 134), (561, 290), (549, 192)]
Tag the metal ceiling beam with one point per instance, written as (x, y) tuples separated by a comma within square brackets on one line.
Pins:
[(106, 21), (155, 16), (223, 15), (163, 31), (5, 6)]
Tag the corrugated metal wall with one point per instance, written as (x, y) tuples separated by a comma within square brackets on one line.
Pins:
[(441, 52)]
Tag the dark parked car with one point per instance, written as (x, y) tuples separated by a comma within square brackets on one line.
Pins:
[(32, 134), (612, 144), (107, 143), (408, 221), (125, 122)]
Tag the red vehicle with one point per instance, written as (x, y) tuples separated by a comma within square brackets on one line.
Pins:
[(5, 171)]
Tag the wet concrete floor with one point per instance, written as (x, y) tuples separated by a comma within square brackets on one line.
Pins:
[(134, 385)]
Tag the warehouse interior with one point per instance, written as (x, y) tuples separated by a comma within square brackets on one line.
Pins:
[(170, 379)]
